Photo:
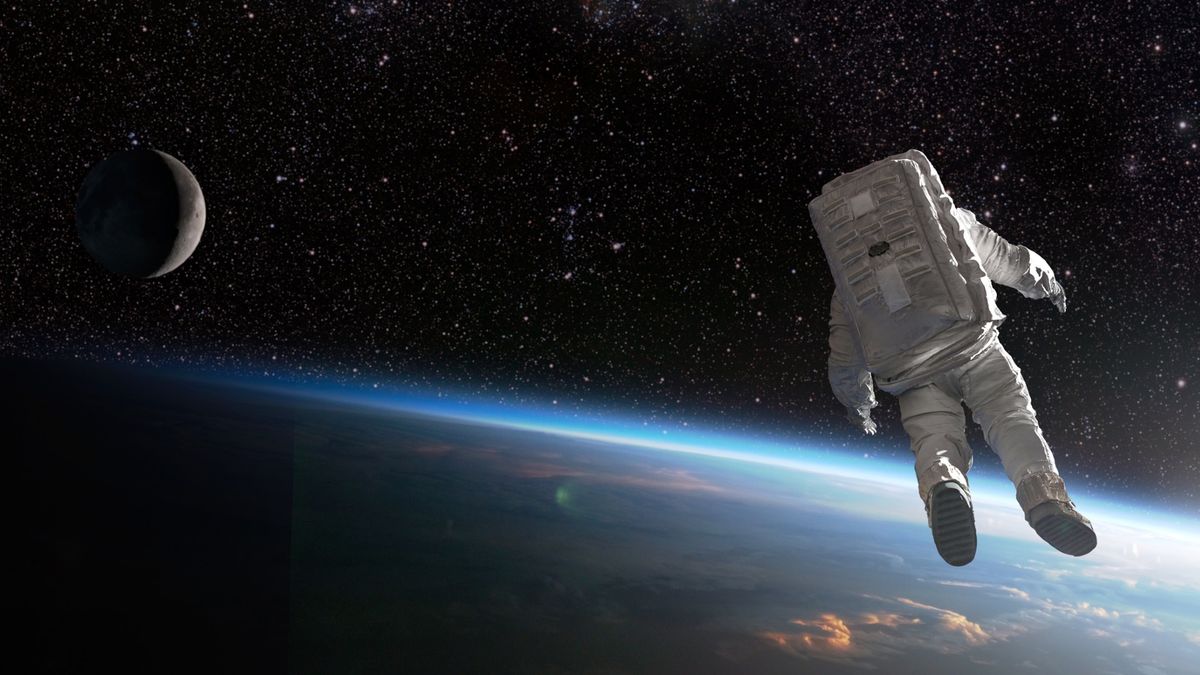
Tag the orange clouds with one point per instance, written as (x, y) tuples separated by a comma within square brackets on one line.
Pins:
[(971, 631), (874, 635), (836, 634), (888, 619), (953, 622), (899, 625), (829, 633)]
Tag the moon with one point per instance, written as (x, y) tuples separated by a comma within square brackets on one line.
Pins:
[(140, 213)]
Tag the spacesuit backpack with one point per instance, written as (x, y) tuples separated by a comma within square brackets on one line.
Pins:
[(903, 267)]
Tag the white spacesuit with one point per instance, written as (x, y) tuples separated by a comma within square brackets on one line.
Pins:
[(914, 312)]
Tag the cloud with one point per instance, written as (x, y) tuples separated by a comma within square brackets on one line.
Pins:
[(1087, 608), (961, 584), (827, 633), (1006, 590), (899, 625), (835, 632), (1136, 553), (888, 619), (971, 631), (873, 635), (1144, 620), (953, 622)]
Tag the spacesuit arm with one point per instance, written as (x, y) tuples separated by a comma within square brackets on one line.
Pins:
[(1011, 265), (848, 375)]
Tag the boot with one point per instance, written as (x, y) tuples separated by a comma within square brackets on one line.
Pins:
[(952, 521), (1051, 513)]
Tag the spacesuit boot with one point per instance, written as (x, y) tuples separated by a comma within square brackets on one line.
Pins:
[(1051, 513), (953, 522)]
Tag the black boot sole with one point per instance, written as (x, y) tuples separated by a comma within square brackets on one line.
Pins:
[(1066, 534), (953, 524)]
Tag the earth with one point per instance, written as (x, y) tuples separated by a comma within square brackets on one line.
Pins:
[(170, 523)]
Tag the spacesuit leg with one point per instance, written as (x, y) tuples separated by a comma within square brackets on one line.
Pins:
[(933, 417), (999, 401)]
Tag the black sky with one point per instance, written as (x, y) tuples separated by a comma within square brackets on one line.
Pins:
[(601, 205)]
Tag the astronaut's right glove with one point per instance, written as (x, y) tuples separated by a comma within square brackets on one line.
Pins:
[(862, 420), (1038, 280), (1058, 296)]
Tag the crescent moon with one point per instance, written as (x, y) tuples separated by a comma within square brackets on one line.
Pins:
[(191, 215)]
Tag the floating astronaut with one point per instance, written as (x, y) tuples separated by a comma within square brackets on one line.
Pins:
[(914, 312)]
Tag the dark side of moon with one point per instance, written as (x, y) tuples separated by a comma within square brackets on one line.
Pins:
[(140, 213)]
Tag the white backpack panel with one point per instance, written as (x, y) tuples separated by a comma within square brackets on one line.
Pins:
[(889, 241)]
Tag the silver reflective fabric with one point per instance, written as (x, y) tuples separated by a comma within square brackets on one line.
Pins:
[(1041, 487)]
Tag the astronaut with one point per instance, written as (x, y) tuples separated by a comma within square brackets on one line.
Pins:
[(914, 312)]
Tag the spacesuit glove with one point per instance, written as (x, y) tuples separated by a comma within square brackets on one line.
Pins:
[(862, 421), (1058, 296)]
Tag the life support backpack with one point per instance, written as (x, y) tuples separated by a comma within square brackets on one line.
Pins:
[(894, 246)]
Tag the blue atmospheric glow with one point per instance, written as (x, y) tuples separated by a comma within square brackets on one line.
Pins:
[(802, 455)]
